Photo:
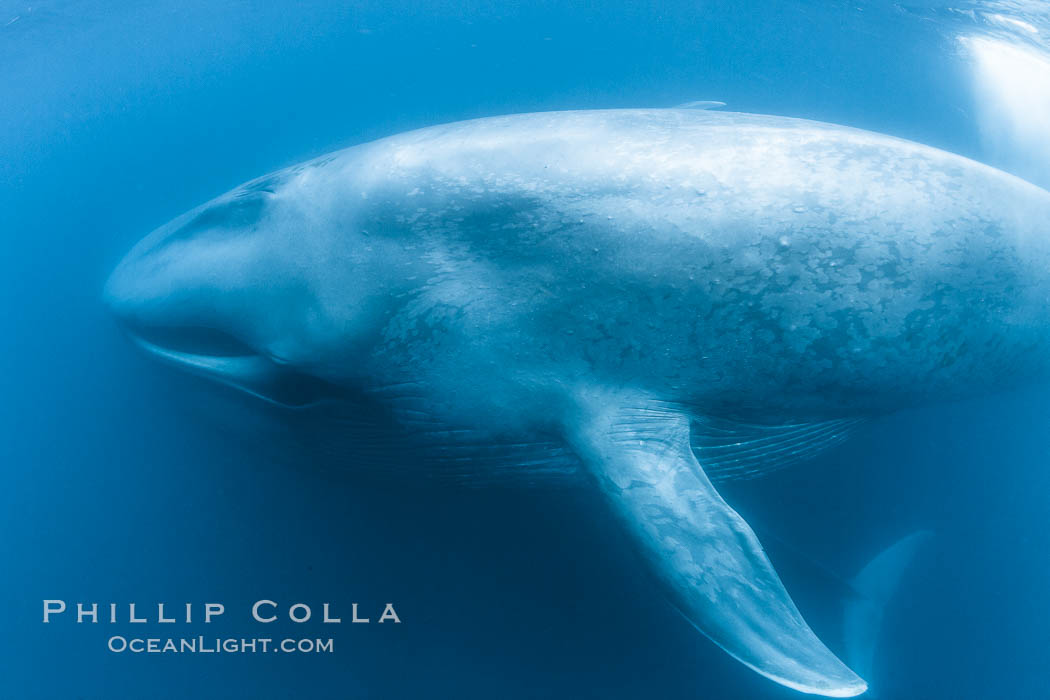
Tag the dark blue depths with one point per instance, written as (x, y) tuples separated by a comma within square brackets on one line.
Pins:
[(122, 482)]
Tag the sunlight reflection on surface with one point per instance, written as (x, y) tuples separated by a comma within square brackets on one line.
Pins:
[(1012, 89)]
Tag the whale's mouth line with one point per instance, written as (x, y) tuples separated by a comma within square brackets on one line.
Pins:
[(196, 341), (221, 358)]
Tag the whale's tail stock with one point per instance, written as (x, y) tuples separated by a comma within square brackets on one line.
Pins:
[(874, 586)]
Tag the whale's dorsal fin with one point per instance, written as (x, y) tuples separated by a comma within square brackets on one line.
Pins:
[(701, 104), (707, 557), (734, 450)]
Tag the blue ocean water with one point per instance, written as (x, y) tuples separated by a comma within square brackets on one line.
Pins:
[(121, 484)]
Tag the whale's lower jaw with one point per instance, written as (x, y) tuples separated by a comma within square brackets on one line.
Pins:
[(246, 371)]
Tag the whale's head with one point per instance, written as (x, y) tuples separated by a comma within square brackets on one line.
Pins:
[(258, 289)]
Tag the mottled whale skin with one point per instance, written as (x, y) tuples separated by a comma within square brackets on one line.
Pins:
[(603, 280)]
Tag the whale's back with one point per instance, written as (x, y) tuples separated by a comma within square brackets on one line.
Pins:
[(761, 267)]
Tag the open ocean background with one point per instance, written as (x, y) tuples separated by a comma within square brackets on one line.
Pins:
[(119, 485)]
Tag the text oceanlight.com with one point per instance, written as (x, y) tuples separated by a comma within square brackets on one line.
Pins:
[(216, 645)]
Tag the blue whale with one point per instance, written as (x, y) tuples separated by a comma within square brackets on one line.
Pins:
[(659, 297)]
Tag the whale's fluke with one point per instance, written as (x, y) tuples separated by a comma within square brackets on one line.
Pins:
[(707, 557), (875, 585)]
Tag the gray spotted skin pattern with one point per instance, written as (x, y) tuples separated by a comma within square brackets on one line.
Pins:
[(760, 268)]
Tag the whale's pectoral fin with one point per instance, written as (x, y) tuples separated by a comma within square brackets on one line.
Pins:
[(704, 553)]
